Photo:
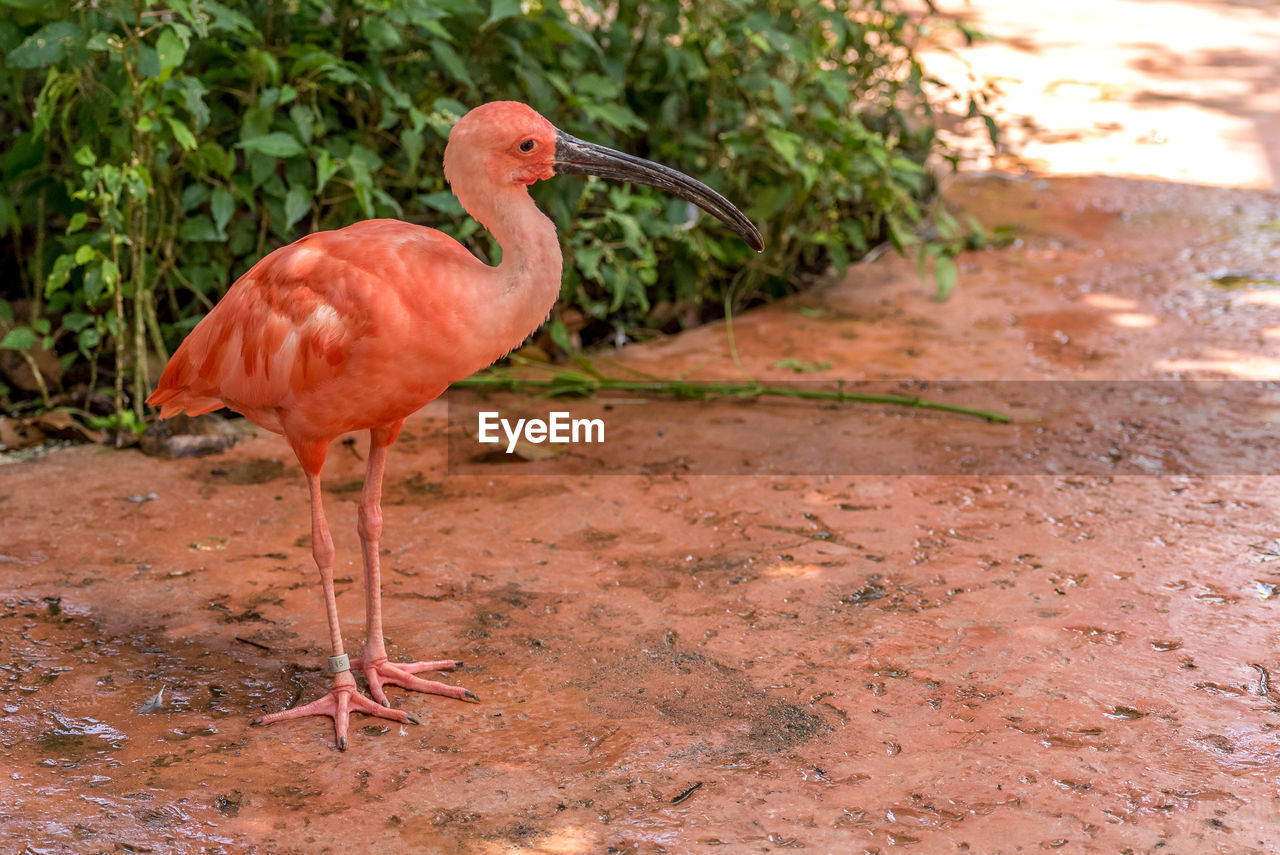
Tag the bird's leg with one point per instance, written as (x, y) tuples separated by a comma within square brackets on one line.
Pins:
[(343, 699), (377, 670)]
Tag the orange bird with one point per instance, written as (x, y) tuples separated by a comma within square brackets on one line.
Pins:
[(355, 329)]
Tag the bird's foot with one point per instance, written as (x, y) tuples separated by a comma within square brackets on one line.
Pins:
[(341, 701), (379, 672)]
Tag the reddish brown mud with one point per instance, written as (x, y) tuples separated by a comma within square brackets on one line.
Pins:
[(1001, 661), (849, 662)]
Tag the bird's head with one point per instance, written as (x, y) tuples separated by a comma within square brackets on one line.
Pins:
[(505, 143)]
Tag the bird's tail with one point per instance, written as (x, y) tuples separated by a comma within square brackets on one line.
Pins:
[(174, 394)]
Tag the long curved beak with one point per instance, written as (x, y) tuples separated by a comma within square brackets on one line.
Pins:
[(578, 157)]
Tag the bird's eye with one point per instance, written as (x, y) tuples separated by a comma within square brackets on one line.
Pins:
[(527, 145)]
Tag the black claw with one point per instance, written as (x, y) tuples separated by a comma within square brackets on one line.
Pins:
[(257, 722), (386, 703), (458, 663), (342, 744), (472, 695), (410, 717)]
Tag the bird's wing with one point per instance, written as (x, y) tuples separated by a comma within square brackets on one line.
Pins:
[(274, 334), (290, 324)]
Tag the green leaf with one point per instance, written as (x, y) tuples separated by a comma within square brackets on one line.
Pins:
[(9, 218), (25, 154), (598, 86), (148, 61), (198, 229), (218, 159), (222, 205), (449, 107), (45, 46), (170, 49), (413, 144), (326, 166), (615, 115), (445, 202), (296, 205), (363, 160), (261, 167), (193, 92), (381, 35), (78, 221), (110, 272), (227, 19), (183, 135), (18, 338), (500, 10), (93, 284), (197, 19), (84, 254), (560, 336), (993, 132), (588, 260), (364, 196), (193, 196), (945, 274), (448, 57), (786, 144), (76, 321), (303, 120), (61, 272), (276, 144)]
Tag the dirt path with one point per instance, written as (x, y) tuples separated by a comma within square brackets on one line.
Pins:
[(670, 662)]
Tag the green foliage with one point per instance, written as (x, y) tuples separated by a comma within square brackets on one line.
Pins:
[(159, 148)]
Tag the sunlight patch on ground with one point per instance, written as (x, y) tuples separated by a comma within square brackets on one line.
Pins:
[(1134, 320), (1270, 297), (1244, 366), (790, 570), (1163, 90)]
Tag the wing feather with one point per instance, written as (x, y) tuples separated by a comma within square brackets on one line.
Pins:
[(278, 333), (358, 302)]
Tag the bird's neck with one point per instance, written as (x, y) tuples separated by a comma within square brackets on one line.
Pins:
[(528, 278)]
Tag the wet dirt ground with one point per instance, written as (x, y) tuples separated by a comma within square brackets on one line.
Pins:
[(823, 657)]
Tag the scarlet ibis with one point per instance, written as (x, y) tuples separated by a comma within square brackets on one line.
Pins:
[(357, 328)]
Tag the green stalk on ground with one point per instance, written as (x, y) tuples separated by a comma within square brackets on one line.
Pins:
[(587, 380)]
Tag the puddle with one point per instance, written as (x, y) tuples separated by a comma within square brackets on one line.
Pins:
[(1240, 282), (241, 472), (76, 739)]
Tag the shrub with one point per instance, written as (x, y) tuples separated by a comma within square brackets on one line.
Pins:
[(158, 149)]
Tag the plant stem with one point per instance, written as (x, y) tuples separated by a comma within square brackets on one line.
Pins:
[(569, 383), (39, 378), (138, 224)]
